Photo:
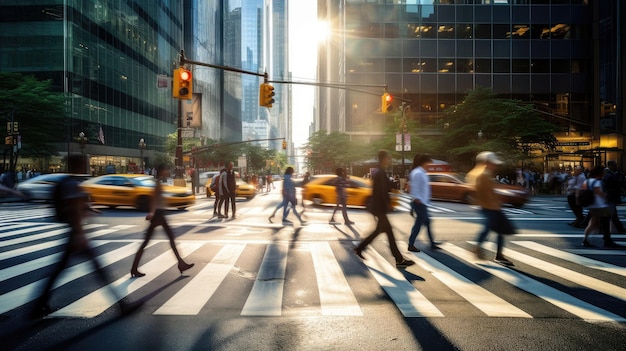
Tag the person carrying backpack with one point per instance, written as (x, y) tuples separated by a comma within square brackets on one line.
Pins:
[(599, 210), (70, 204)]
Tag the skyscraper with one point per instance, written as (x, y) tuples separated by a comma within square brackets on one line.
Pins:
[(111, 59), (430, 53)]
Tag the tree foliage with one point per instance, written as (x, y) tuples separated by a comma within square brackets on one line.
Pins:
[(507, 126), (38, 110), (328, 151)]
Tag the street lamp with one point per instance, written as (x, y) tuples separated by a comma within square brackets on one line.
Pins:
[(142, 146), (82, 141)]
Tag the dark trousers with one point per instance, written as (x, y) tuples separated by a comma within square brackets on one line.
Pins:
[(383, 226), (421, 218), (230, 199), (615, 217), (62, 264), (157, 220), (576, 209)]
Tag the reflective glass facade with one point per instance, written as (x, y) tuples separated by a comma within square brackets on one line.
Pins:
[(106, 56), (432, 52)]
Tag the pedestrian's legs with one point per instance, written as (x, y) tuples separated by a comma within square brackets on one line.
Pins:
[(344, 211), (417, 225), (42, 303), (605, 223), (133, 270), (220, 204), (500, 245), (386, 227), (363, 244), (216, 207), (226, 203), (293, 202), (593, 223), (233, 196), (615, 221)]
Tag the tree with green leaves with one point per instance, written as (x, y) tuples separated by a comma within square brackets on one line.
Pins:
[(38, 111), (328, 151), (483, 121)]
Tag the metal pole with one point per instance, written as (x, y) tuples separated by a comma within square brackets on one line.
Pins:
[(179, 180)]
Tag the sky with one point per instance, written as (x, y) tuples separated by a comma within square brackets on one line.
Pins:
[(303, 63)]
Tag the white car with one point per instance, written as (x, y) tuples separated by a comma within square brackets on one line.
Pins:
[(42, 187)]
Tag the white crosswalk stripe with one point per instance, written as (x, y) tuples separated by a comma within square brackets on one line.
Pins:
[(25, 214), (37, 247)]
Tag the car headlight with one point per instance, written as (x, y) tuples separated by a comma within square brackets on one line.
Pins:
[(504, 192)]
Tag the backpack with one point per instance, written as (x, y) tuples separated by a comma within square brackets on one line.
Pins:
[(215, 186), (62, 211), (585, 197)]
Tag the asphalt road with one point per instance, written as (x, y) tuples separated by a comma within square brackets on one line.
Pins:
[(261, 285)]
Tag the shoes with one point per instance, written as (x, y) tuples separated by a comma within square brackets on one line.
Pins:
[(349, 223), (270, 219), (413, 248), (359, 253), (182, 266), (304, 223), (219, 215), (404, 263), (479, 253), (612, 244), (333, 222), (287, 222), (434, 246), (586, 244), (136, 274), (504, 261), (127, 308)]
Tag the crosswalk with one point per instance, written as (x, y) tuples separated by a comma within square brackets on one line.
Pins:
[(546, 282)]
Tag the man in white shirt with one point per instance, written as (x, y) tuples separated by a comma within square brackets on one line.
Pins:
[(574, 184), (420, 198)]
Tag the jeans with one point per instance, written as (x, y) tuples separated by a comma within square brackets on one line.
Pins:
[(421, 218), (491, 217)]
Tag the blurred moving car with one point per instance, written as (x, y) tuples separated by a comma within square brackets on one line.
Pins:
[(321, 190), (452, 187), (204, 177), (134, 190), (243, 189), (42, 187)]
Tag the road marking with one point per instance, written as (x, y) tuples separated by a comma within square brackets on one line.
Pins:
[(481, 298), (409, 301), (554, 296), (581, 260), (192, 297), (32, 265), (266, 297), (599, 251), (336, 297), (30, 292), (564, 273), (39, 236), (100, 300)]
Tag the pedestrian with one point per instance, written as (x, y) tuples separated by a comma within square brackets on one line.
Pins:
[(269, 182), (341, 182), (289, 197), (599, 210), (420, 199), (227, 190), (157, 218), (613, 185), (214, 187), (70, 206), (482, 178), (574, 183), (379, 204)]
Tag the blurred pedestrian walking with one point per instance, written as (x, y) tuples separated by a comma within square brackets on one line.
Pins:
[(157, 218), (420, 199), (379, 205), (483, 178), (71, 205), (599, 210), (341, 183), (613, 185), (289, 197), (574, 183)]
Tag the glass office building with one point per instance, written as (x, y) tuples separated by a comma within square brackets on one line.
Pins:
[(106, 56), (429, 53)]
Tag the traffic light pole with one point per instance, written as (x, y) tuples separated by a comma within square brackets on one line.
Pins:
[(179, 180)]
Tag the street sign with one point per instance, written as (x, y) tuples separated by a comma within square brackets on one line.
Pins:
[(407, 147), (186, 132)]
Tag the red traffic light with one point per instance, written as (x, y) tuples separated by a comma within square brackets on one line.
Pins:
[(389, 98), (185, 75)]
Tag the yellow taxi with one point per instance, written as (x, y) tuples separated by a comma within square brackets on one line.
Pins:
[(242, 189), (134, 190), (321, 190)]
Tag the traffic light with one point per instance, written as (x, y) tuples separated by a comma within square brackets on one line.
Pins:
[(284, 144), (183, 84), (386, 103), (266, 95)]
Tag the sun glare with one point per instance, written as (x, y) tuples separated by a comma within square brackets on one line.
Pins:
[(322, 31)]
